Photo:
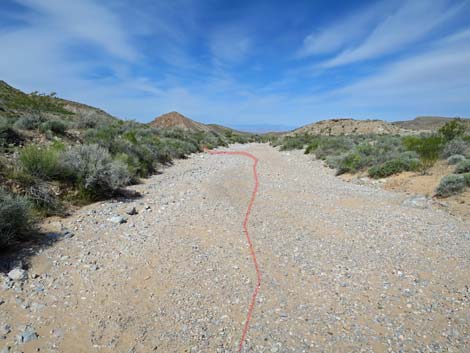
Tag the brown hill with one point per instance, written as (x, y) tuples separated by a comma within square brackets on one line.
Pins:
[(348, 127), (427, 123), (177, 120)]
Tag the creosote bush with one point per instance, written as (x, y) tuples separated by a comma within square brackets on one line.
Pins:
[(451, 185), (42, 163), (427, 147)]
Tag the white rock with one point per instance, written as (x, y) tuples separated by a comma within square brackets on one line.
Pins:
[(17, 274)]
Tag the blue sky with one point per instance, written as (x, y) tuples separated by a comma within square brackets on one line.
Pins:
[(243, 62)]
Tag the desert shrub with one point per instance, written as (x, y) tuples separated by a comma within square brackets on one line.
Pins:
[(456, 146), (43, 198), (456, 158), (16, 220), (56, 126), (393, 166), (463, 167), (42, 163), (334, 145), (427, 147), (93, 170), (29, 122), (452, 129), (313, 144), (466, 177), (293, 143), (450, 185), (350, 162)]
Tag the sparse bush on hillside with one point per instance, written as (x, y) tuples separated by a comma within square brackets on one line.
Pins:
[(56, 126), (93, 170), (29, 122), (455, 159), (452, 130), (427, 147), (16, 221), (463, 167), (334, 145), (451, 185)]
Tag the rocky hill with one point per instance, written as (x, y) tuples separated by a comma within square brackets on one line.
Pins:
[(348, 127), (177, 120), (427, 123)]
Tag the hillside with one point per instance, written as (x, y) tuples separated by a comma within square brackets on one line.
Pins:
[(15, 104), (427, 123), (336, 127)]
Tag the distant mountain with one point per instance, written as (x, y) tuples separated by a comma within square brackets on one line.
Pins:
[(177, 120), (348, 127), (427, 123)]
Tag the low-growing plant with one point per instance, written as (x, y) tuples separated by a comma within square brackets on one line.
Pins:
[(450, 185), (29, 122), (16, 220), (93, 170), (42, 163), (463, 167), (455, 159), (56, 126), (456, 146), (392, 167)]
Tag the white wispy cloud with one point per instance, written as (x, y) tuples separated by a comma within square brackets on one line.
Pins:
[(411, 22), (345, 31)]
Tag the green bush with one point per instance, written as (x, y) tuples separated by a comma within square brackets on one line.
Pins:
[(452, 129), (56, 126), (466, 177), (427, 147), (42, 163), (93, 170), (451, 185), (455, 159), (463, 167), (16, 220), (29, 122), (334, 145), (392, 167), (293, 144)]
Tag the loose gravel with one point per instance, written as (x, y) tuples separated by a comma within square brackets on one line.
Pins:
[(345, 267)]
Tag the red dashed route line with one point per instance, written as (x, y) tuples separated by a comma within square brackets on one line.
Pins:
[(248, 239)]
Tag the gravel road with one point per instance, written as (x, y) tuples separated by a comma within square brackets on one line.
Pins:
[(345, 267)]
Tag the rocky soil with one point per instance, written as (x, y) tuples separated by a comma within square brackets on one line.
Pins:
[(345, 267)]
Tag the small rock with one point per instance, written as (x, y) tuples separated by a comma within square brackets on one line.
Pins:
[(28, 334), (132, 211), (68, 235), (17, 274), (117, 219), (416, 201)]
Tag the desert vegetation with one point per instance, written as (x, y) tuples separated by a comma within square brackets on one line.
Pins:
[(385, 155), (51, 158)]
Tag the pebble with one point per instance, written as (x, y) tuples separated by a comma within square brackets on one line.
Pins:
[(18, 274)]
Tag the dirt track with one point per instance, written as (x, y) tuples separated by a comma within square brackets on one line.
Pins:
[(345, 268)]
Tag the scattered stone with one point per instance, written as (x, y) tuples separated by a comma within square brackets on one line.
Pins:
[(18, 274), (132, 211), (417, 201), (28, 334), (117, 219)]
